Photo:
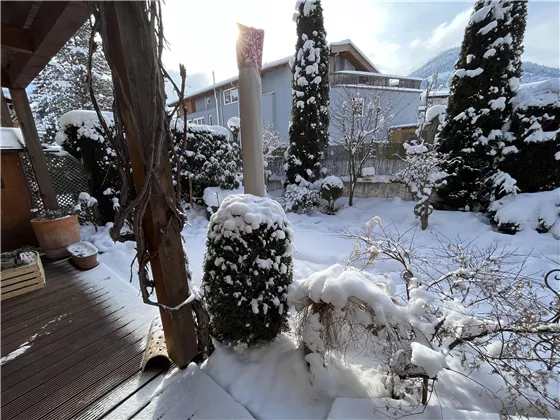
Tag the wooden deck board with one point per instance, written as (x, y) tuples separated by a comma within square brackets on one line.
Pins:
[(85, 331)]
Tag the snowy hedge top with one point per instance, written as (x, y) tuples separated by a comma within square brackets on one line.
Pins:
[(178, 125), (11, 138), (538, 95), (87, 123), (242, 213), (332, 182)]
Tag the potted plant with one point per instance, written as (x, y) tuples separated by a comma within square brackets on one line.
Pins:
[(55, 230)]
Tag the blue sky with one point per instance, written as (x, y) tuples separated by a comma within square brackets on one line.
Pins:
[(397, 36)]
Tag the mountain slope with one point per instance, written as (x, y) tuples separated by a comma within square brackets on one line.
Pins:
[(444, 65)]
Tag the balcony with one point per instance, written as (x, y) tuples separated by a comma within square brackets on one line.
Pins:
[(373, 79)]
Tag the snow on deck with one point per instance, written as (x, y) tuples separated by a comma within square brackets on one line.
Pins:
[(190, 394)]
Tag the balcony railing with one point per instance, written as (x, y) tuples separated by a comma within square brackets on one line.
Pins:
[(372, 79)]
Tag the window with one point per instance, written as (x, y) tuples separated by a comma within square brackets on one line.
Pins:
[(198, 121), (209, 119), (231, 96), (207, 102)]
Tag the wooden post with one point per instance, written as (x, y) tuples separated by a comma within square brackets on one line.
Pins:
[(6, 116), (249, 62), (33, 146), (130, 49)]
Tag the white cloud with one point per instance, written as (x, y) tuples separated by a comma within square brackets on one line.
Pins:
[(449, 34)]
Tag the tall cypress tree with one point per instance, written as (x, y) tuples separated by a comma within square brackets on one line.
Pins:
[(486, 77), (309, 128), (62, 85)]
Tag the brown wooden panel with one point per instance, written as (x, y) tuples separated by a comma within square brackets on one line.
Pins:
[(15, 205), (54, 353), (86, 363)]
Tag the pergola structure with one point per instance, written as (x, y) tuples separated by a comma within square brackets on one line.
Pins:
[(32, 33)]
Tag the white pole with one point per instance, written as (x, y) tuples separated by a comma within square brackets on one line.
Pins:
[(249, 62)]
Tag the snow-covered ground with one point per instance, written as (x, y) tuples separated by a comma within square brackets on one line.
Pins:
[(272, 381)]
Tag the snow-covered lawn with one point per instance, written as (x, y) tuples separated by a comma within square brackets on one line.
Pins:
[(272, 381)]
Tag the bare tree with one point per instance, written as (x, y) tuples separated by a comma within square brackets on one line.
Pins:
[(360, 119)]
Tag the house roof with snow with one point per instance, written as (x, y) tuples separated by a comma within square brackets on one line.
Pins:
[(345, 48)]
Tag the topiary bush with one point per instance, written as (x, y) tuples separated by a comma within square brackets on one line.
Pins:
[(207, 157), (331, 190), (247, 269)]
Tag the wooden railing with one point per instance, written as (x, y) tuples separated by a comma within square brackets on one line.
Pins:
[(372, 79)]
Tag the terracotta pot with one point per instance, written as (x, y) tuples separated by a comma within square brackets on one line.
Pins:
[(55, 235)]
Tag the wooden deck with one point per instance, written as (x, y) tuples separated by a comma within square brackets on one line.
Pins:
[(81, 341)]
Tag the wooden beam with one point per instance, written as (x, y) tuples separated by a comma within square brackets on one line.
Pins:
[(130, 50), (5, 80), (16, 39), (55, 23), (33, 146)]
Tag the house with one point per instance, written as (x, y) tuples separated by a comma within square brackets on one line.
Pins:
[(349, 66)]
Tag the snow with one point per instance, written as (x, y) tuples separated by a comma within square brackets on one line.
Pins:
[(332, 181), (190, 394), (11, 139), (492, 25), (469, 73), (82, 249), (529, 210), (435, 111), (271, 381), (538, 94), (499, 103), (18, 352), (234, 123), (490, 53), (430, 360), (369, 171), (385, 408), (214, 196), (480, 15), (86, 121)]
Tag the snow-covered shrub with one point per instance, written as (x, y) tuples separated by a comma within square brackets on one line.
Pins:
[(423, 175), (459, 308), (247, 269), (234, 124), (82, 136), (532, 157), (299, 199), (85, 209), (206, 157), (331, 190), (534, 211)]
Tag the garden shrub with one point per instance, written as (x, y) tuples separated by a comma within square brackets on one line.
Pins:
[(206, 156), (331, 190), (299, 199), (82, 136), (247, 269)]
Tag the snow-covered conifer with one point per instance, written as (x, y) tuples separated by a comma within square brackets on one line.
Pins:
[(309, 129), (533, 156), (485, 80), (247, 269), (62, 85)]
